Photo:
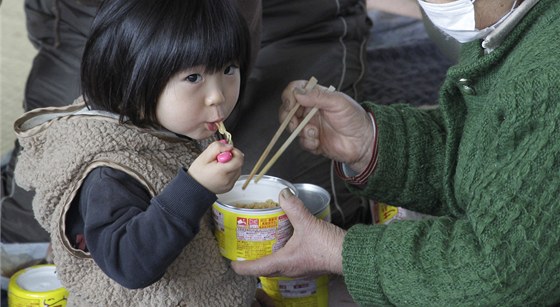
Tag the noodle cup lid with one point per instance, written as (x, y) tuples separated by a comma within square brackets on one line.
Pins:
[(36, 279), (268, 187)]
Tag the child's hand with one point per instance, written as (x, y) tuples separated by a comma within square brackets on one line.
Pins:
[(224, 156), (216, 176)]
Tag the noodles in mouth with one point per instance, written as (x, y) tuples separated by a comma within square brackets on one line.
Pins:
[(222, 130)]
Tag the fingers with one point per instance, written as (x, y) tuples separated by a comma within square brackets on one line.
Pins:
[(211, 153), (224, 156), (318, 96), (304, 100), (288, 98), (232, 165), (314, 248), (309, 139), (216, 176), (280, 262), (290, 101), (265, 266), (214, 149)]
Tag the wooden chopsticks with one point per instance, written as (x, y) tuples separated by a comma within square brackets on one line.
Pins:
[(310, 85)]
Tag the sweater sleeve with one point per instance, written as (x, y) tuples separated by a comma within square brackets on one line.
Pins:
[(506, 253), (434, 262), (410, 158), (132, 237)]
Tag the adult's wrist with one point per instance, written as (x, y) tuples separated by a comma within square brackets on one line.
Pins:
[(354, 175), (337, 240)]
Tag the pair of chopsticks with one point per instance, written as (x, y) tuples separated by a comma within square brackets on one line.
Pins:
[(309, 86)]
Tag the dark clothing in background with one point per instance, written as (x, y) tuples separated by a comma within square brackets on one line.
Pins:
[(58, 29), (300, 39)]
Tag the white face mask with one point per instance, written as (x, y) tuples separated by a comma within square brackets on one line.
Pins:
[(457, 19)]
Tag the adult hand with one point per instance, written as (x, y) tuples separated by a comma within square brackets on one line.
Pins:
[(216, 176), (341, 130), (315, 247)]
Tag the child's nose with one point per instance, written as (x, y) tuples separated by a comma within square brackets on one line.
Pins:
[(215, 95)]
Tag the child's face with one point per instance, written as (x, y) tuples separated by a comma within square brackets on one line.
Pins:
[(193, 101)]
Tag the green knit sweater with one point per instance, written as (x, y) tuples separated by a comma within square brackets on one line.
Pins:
[(487, 164)]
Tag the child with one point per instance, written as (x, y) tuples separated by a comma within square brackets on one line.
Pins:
[(123, 182)]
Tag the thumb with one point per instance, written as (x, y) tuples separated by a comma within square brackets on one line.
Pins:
[(293, 207), (304, 96), (265, 266)]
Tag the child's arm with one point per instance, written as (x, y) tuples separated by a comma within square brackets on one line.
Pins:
[(133, 238)]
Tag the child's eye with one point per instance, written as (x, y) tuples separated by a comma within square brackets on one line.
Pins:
[(230, 70), (194, 78)]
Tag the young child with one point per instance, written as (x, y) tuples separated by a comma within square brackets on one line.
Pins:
[(124, 178)]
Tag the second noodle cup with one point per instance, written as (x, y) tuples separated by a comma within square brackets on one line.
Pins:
[(303, 292), (245, 232)]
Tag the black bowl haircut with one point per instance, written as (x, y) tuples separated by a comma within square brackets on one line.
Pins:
[(136, 46)]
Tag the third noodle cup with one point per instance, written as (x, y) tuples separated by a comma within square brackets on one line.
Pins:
[(36, 286), (245, 232)]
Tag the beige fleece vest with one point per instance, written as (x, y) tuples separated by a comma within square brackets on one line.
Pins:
[(58, 153)]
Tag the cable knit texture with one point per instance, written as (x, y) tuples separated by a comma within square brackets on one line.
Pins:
[(487, 164), (56, 157)]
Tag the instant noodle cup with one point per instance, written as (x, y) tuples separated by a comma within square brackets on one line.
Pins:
[(386, 214), (36, 286), (297, 292), (249, 223), (316, 199), (303, 292)]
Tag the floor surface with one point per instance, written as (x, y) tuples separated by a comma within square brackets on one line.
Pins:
[(16, 55)]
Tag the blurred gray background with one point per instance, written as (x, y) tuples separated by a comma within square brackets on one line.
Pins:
[(16, 54)]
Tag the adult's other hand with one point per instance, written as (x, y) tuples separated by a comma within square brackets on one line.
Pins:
[(341, 130), (315, 247)]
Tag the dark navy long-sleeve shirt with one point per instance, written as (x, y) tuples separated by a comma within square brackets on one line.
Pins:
[(130, 235)]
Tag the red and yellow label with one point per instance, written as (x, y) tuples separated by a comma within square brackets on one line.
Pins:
[(384, 213), (243, 235), (295, 292)]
